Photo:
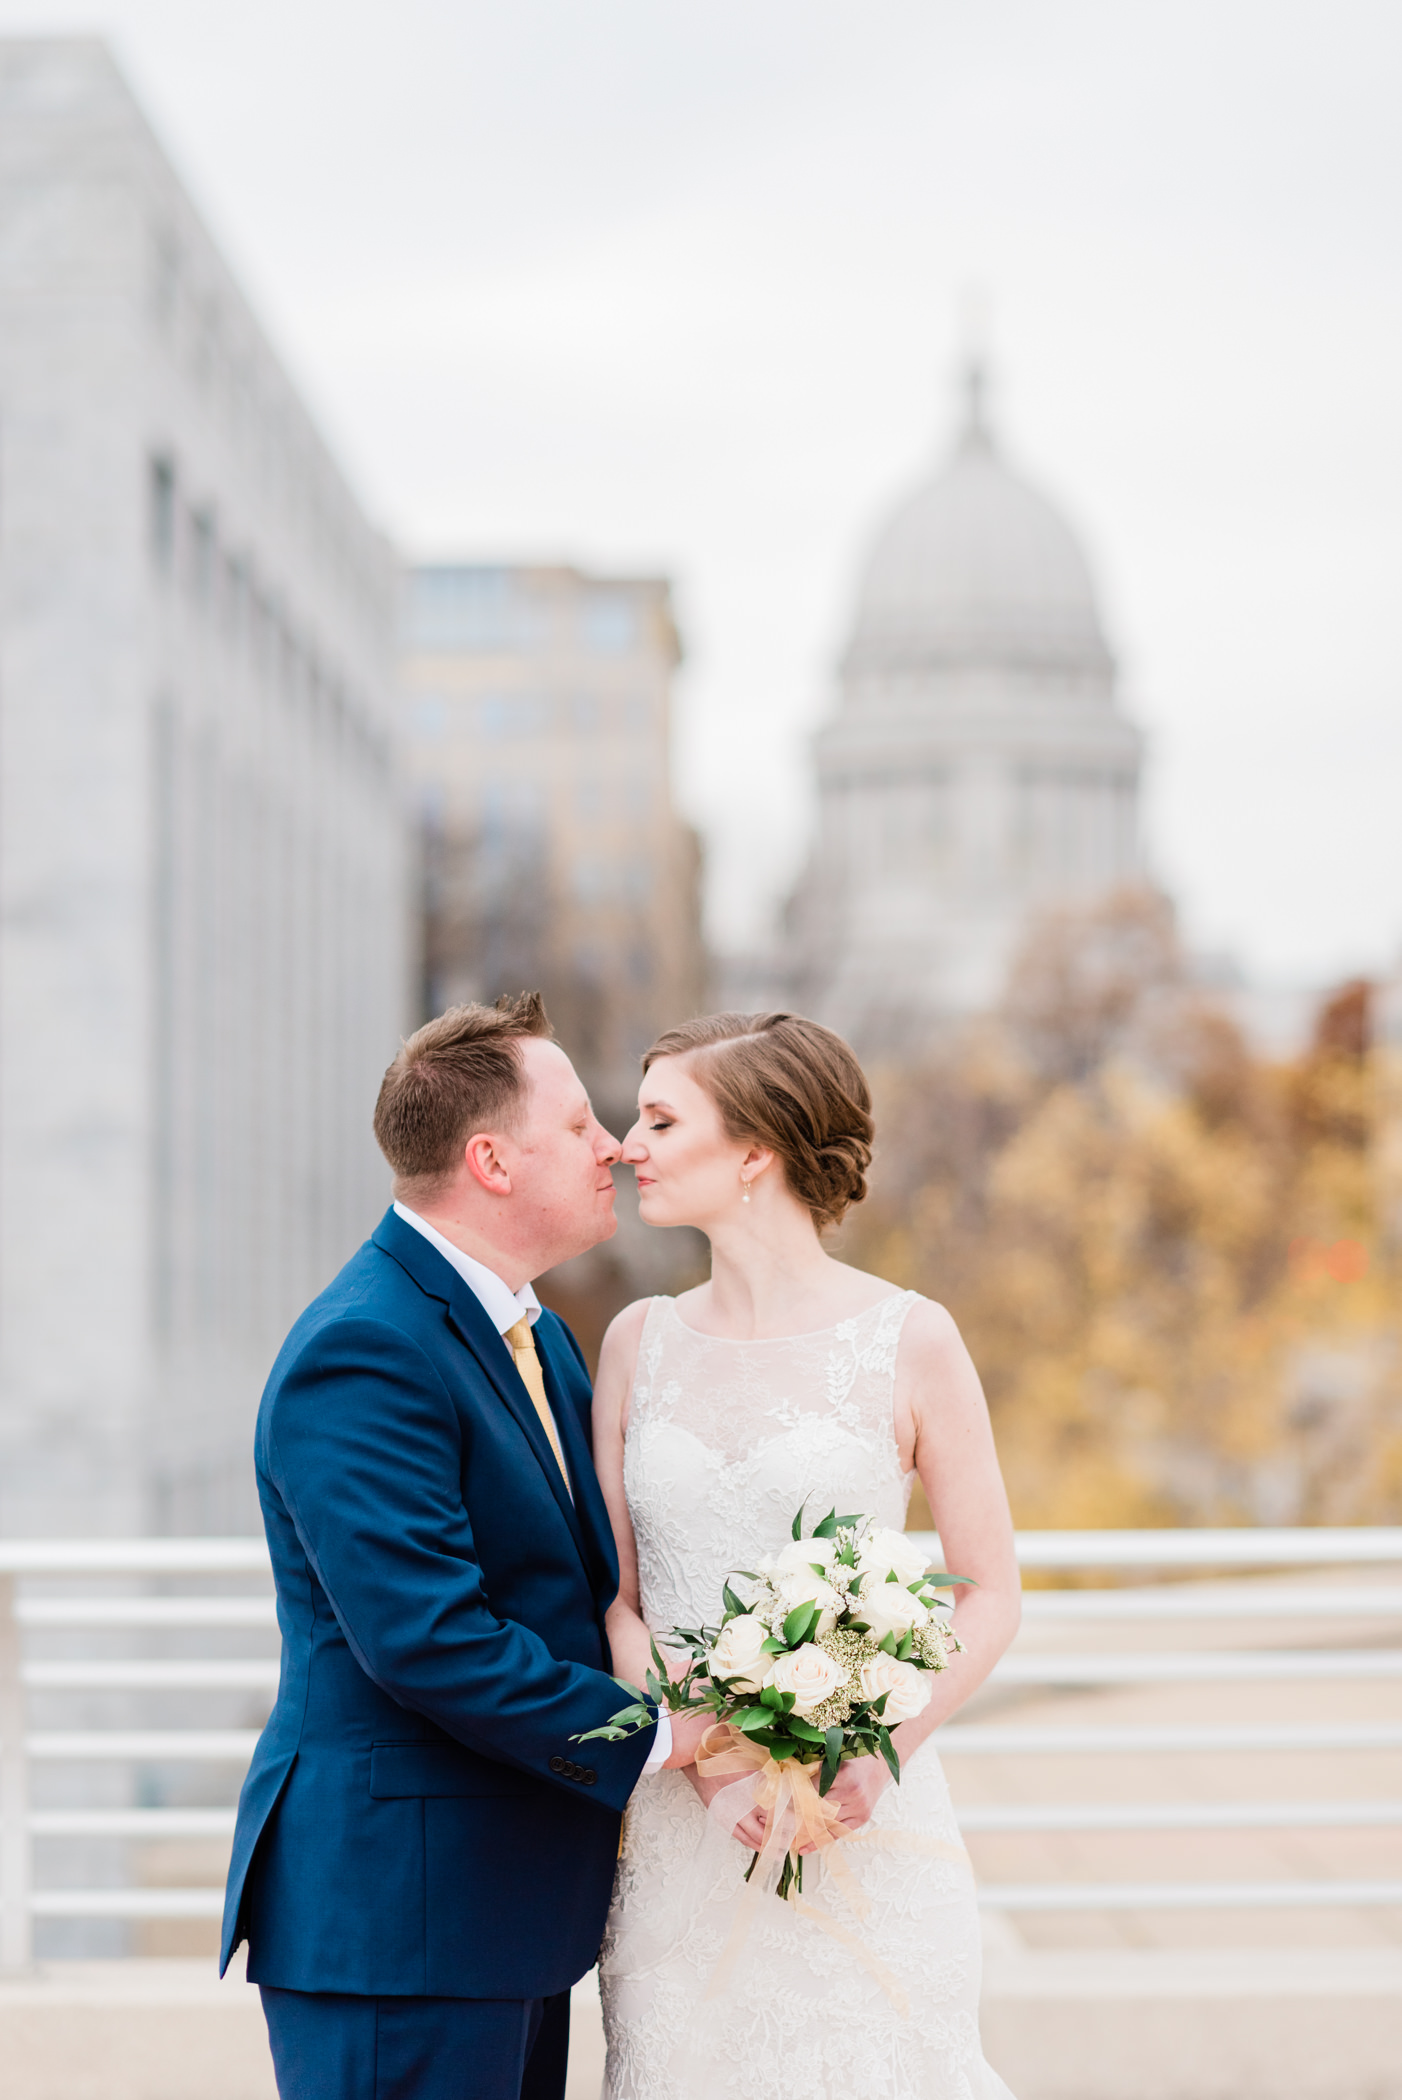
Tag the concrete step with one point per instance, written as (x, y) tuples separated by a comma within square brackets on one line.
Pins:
[(1058, 2024)]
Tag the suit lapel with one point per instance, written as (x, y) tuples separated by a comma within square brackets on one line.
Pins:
[(439, 1279)]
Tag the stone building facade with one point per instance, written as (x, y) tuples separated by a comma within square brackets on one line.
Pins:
[(203, 861), (537, 722), (977, 766)]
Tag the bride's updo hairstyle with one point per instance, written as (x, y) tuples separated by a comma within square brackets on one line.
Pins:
[(792, 1085)]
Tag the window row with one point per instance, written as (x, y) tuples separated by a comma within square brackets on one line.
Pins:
[(503, 718), (225, 587), (481, 610)]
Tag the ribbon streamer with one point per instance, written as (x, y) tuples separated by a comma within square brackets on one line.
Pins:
[(796, 1814)]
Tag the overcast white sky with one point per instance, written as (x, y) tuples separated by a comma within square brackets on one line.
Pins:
[(676, 287)]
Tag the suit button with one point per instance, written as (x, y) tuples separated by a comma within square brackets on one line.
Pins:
[(589, 1775), (557, 1764), (571, 1769)]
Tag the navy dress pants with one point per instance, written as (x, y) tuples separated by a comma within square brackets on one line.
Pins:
[(331, 2046)]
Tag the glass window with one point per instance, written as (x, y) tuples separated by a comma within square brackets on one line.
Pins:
[(608, 622), (472, 609), (162, 502)]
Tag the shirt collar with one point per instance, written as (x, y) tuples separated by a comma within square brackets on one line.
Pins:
[(503, 1306)]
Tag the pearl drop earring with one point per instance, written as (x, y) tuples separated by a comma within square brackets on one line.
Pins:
[(744, 1189)]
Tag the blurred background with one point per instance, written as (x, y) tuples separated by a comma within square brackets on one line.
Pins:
[(894, 512), (891, 514)]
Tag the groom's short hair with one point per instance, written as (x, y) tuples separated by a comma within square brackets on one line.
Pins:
[(458, 1074)]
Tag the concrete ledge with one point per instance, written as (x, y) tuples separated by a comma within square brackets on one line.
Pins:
[(1119, 2024), (1220, 2024), (132, 2030)]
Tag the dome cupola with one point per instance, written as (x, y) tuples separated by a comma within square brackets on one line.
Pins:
[(977, 568)]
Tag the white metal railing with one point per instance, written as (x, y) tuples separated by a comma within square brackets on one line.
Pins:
[(24, 1614)]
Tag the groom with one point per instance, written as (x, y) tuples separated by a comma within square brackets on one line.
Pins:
[(424, 1850)]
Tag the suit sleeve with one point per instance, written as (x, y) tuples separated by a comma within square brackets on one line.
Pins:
[(364, 1446)]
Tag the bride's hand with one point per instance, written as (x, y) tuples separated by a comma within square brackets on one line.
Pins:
[(854, 1793), (750, 1829)]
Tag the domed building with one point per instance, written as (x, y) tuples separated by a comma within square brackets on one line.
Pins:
[(977, 767)]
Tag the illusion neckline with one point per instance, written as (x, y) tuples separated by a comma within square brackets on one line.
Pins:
[(760, 1341)]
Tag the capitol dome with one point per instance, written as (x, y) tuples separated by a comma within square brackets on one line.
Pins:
[(975, 769), (976, 567)]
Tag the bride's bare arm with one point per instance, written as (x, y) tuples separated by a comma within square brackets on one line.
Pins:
[(628, 1636), (629, 1641), (942, 1424)]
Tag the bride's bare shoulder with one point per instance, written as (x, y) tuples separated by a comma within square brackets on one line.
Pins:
[(619, 1352)]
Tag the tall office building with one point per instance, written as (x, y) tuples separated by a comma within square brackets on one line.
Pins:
[(202, 846), (977, 767), (537, 732)]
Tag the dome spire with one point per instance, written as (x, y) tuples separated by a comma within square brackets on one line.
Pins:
[(974, 432)]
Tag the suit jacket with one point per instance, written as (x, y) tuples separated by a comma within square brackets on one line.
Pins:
[(417, 1818)]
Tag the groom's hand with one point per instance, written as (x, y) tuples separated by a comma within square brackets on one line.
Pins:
[(687, 1731)]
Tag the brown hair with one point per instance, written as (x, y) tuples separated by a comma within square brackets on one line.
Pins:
[(455, 1075), (792, 1085)]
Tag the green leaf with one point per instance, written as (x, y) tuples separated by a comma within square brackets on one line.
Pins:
[(772, 1698), (888, 1751), (828, 1528), (849, 1523), (734, 1608), (805, 1731), (772, 1647), (878, 1706), (751, 1718), (779, 1749), (800, 1623), (747, 1574), (831, 1758), (888, 1643), (944, 1581), (903, 1653), (798, 1519)]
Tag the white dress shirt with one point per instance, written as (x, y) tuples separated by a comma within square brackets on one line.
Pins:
[(504, 1307)]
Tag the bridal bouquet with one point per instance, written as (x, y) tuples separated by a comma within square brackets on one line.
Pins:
[(834, 1649)]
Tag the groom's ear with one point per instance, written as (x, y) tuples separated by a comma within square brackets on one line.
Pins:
[(483, 1160)]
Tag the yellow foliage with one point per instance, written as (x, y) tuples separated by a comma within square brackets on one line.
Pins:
[(1171, 1271)]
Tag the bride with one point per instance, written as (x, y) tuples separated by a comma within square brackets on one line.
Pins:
[(789, 1378)]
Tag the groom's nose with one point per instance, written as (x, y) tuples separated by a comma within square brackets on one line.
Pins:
[(608, 1148)]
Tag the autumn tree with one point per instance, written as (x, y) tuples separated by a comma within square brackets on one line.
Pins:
[(1163, 1251)]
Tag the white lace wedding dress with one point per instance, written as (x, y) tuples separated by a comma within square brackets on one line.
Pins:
[(725, 1440)]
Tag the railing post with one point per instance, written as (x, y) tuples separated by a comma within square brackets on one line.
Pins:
[(16, 1938)]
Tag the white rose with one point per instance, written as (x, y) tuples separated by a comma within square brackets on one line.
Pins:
[(798, 1558), (804, 1587), (885, 1552), (907, 1688), (738, 1655), (887, 1608), (810, 1674)]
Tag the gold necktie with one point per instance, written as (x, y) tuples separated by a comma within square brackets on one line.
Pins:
[(521, 1343)]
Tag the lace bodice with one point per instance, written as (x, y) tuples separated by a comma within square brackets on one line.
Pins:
[(725, 1440)]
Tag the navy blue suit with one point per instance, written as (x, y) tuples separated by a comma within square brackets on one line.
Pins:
[(418, 1821)]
